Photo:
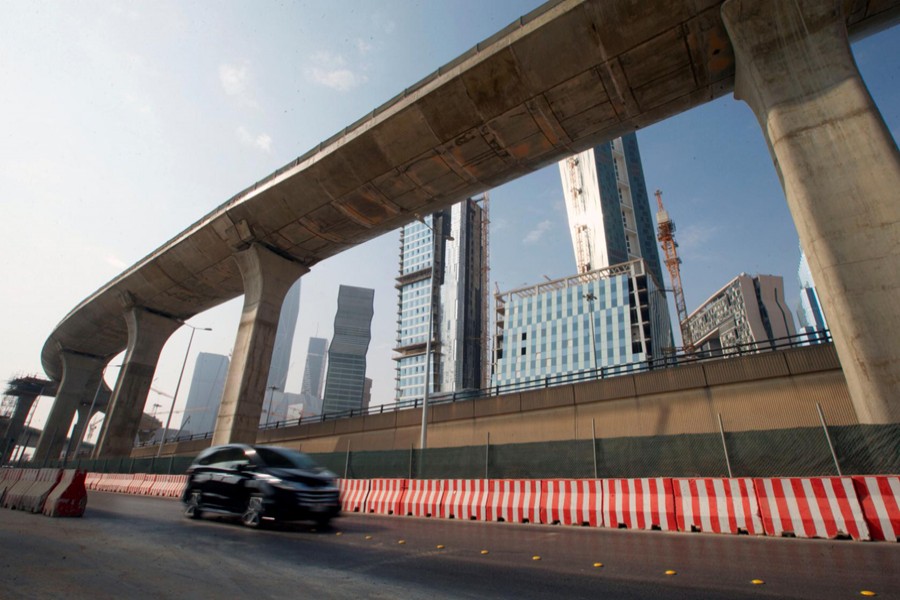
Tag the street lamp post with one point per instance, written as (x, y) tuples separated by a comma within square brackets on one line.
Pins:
[(271, 389), (90, 412), (162, 437), (590, 297), (423, 441)]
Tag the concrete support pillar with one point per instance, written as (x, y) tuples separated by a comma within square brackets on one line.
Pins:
[(267, 278), (148, 332), (840, 169), (14, 428), (81, 375), (78, 431)]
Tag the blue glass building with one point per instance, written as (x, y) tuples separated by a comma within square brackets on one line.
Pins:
[(346, 378), (558, 330)]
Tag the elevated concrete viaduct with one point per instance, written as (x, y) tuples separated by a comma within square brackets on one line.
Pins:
[(511, 105)]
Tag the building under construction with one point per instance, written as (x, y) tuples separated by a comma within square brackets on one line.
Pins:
[(612, 319), (443, 293)]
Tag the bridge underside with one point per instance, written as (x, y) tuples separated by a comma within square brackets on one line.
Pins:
[(571, 74)]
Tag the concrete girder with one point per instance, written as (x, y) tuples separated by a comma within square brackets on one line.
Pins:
[(840, 169), (81, 375), (267, 277), (148, 332)]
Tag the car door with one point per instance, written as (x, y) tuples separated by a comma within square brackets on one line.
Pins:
[(231, 478)]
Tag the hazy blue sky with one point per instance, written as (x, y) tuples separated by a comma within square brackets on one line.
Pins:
[(123, 123)]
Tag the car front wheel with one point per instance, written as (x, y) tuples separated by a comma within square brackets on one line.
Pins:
[(253, 514), (192, 509)]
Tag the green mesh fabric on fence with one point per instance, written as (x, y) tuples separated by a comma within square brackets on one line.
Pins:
[(800, 452)]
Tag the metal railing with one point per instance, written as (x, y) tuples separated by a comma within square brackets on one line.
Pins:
[(655, 364)]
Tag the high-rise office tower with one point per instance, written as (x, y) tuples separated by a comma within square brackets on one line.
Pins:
[(345, 381), (812, 319), (205, 395), (608, 207), (281, 355), (562, 330), (748, 314), (443, 275), (610, 218), (314, 376)]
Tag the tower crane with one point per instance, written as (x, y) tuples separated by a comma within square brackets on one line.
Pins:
[(666, 237)]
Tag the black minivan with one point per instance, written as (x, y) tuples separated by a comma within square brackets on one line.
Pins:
[(258, 484)]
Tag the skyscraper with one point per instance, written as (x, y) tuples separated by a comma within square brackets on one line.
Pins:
[(611, 318), (345, 382), (611, 222), (281, 354), (205, 395), (442, 275), (314, 376), (810, 314), (749, 311), (608, 207)]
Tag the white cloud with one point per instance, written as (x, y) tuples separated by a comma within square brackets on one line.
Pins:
[(331, 70), (363, 46), (695, 237), (235, 80), (535, 235), (116, 262), (262, 141)]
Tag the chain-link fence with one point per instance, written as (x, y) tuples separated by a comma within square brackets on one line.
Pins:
[(796, 452)]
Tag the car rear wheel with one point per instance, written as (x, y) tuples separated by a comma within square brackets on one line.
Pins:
[(253, 514), (193, 508)]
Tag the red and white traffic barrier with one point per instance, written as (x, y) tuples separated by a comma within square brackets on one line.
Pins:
[(466, 499), (353, 494), (822, 507), (717, 506), (385, 496), (879, 498), (69, 497), (572, 502), (514, 501), (639, 504), (423, 498)]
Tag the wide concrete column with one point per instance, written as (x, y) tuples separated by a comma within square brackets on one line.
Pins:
[(840, 169), (15, 425), (148, 332), (267, 278), (81, 375)]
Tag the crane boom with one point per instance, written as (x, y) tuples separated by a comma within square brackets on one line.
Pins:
[(666, 237)]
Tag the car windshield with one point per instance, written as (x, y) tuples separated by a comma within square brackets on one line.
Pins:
[(285, 459)]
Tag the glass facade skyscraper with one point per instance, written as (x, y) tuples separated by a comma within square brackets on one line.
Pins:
[(314, 376), (810, 314), (346, 378), (608, 207), (561, 329), (442, 275), (205, 395)]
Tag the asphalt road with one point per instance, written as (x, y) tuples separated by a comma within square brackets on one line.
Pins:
[(134, 547)]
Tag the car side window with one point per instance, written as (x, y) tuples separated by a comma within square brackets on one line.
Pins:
[(230, 458)]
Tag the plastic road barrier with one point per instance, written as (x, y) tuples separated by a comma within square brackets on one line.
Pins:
[(466, 499), (639, 504), (17, 491), (717, 506), (423, 498), (514, 501), (879, 498), (385, 496), (823, 507), (69, 497), (353, 494), (33, 500), (572, 502)]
